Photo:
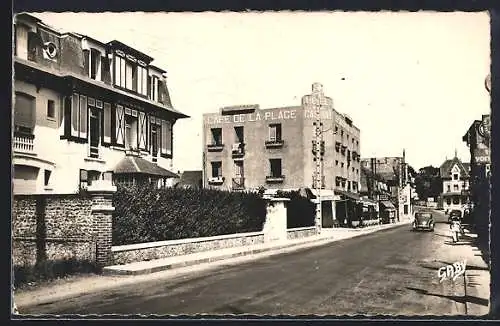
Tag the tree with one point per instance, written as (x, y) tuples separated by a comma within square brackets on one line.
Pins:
[(428, 183)]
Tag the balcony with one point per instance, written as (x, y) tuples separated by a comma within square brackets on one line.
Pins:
[(216, 181), (23, 142), (275, 178), (276, 143), (215, 147), (238, 183), (238, 150), (323, 183)]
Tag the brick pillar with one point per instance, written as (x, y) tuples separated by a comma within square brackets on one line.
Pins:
[(102, 211)]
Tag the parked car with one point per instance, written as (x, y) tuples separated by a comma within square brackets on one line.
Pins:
[(423, 221), (455, 213)]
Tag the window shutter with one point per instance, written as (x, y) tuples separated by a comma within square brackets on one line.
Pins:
[(75, 115), (117, 71), (163, 137), (120, 124), (86, 62), (83, 116), (145, 81), (107, 123), (142, 130), (149, 88), (24, 111)]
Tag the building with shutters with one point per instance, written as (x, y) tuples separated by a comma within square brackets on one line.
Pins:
[(246, 147), (83, 108), (455, 177)]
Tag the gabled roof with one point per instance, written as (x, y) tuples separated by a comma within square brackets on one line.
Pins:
[(136, 165), (445, 168)]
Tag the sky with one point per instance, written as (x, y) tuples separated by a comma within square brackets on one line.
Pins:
[(412, 81)]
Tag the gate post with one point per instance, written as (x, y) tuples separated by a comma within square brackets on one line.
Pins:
[(101, 192), (275, 227)]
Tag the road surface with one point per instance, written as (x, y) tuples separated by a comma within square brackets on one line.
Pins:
[(390, 272)]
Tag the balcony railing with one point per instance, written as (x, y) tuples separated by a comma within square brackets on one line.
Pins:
[(238, 150), (239, 183), (275, 143), (23, 142), (215, 147), (275, 178)]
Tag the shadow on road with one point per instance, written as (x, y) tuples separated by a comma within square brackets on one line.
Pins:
[(456, 298)]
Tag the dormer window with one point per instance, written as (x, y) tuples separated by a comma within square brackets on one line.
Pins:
[(93, 63), (25, 42), (131, 74), (154, 91)]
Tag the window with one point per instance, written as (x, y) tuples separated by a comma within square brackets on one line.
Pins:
[(130, 132), (155, 140), (455, 176), (337, 182), (275, 132), (455, 187), (405, 209), (94, 132), (342, 165), (239, 132), (216, 136), (336, 162), (95, 64), (51, 109), (238, 169), (275, 165), (24, 113), (448, 201), (456, 200), (353, 169), (342, 133), (216, 169), (47, 177), (127, 75), (448, 188)]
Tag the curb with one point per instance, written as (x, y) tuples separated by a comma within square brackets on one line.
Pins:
[(116, 269)]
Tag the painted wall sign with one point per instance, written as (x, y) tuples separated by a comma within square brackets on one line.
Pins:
[(252, 117)]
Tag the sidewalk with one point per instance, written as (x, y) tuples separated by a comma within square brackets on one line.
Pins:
[(477, 278), (121, 275)]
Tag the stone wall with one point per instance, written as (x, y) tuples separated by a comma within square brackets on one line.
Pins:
[(163, 249), (298, 233), (58, 227)]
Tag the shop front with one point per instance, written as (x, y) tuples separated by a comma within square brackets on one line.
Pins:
[(347, 209)]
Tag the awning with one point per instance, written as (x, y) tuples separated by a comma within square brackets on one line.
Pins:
[(136, 165), (347, 194), (387, 204)]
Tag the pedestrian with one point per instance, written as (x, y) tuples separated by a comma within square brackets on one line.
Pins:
[(455, 229)]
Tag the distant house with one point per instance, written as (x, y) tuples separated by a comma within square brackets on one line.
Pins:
[(191, 179), (455, 177)]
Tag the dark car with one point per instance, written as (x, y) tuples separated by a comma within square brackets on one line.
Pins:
[(455, 213), (423, 221)]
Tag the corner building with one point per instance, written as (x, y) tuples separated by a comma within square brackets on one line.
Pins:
[(246, 147)]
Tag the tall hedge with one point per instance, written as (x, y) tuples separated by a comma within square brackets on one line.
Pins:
[(145, 214), (301, 211)]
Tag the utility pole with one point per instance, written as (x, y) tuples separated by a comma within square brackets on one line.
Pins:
[(317, 101)]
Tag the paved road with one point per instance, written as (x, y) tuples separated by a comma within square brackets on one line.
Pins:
[(392, 272)]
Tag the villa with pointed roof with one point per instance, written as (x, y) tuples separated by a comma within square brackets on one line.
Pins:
[(455, 177)]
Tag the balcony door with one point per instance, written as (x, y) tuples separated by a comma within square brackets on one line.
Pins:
[(94, 132)]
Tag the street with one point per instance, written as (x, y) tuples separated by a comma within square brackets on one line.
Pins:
[(391, 272)]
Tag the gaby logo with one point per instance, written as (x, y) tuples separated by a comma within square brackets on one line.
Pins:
[(451, 271)]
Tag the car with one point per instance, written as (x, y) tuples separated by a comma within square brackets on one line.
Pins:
[(455, 213), (423, 221)]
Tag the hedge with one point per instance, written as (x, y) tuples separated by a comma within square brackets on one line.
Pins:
[(301, 211), (147, 214)]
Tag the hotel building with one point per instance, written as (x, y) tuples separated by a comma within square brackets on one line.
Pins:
[(246, 147)]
